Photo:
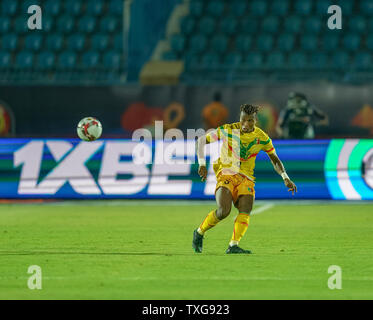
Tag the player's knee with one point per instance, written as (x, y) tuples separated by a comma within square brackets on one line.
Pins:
[(223, 212)]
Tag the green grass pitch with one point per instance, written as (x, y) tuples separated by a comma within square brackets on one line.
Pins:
[(142, 250)]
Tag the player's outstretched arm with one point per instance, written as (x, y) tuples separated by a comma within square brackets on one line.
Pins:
[(280, 169), (202, 169)]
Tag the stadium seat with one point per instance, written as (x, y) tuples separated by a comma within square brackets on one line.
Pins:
[(357, 24), (86, 24), (192, 61), (73, 7), (99, 42), (54, 42), (65, 24), (322, 6), (347, 6), (228, 25), (275, 60), (270, 24), (118, 42), (90, 59), (280, 8), (5, 60), (303, 7), (369, 42), (177, 43), (95, 7), (33, 42), (210, 60), (197, 43), (116, 7), (9, 42), (66, 60), (318, 60), (264, 42), (366, 7), (187, 25), (52, 8), (112, 60), (45, 60), (76, 42), (330, 42), (170, 56), (258, 8), (249, 26), (313, 24), (206, 25), (285, 42), (219, 43), (293, 24), (20, 25), (309, 42), (351, 42), (24, 60), (48, 23), (363, 61), (238, 8), (215, 8), (232, 59), (297, 60), (25, 4), (196, 8), (9, 7), (109, 24), (243, 43), (253, 60), (340, 60), (4, 25)]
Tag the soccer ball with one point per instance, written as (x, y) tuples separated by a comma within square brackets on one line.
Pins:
[(89, 129)]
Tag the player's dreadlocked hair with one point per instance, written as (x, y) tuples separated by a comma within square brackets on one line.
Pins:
[(249, 109)]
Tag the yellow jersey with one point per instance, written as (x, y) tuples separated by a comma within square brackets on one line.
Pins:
[(239, 149)]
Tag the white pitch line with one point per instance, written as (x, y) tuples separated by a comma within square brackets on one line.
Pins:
[(259, 209)]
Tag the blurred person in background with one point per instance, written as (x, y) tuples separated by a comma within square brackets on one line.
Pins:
[(215, 113), (299, 118)]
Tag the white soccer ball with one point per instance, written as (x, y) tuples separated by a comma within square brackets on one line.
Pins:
[(89, 129)]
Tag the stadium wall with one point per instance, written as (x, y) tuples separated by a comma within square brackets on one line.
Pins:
[(107, 169)]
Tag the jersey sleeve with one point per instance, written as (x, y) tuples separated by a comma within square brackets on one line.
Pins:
[(268, 145)]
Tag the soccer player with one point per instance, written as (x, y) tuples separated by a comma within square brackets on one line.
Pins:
[(234, 170)]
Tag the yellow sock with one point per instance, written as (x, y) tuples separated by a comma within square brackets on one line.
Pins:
[(210, 221), (240, 226)]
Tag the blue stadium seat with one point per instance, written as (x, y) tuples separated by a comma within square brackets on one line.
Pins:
[(196, 8), (116, 7), (228, 25), (95, 7), (318, 61), (177, 43), (24, 60), (65, 24), (20, 25), (309, 42), (366, 7), (9, 7), (86, 24), (330, 42), (118, 42), (10, 42), (54, 42), (232, 59), (48, 23), (109, 24), (293, 24), (210, 60), (258, 8), (192, 61), (313, 24), (297, 60), (66, 60), (285, 42), (25, 4), (187, 25), (112, 60), (46, 60), (249, 26), (243, 43), (99, 42), (238, 8), (73, 7), (215, 8), (264, 42), (197, 43), (253, 60), (4, 25), (370, 26), (219, 43), (90, 59), (322, 6), (76, 42), (206, 25), (347, 6), (33, 41), (5, 60), (303, 7), (351, 41), (52, 7), (275, 60), (270, 24), (357, 24), (369, 42), (340, 60), (280, 8), (363, 61)]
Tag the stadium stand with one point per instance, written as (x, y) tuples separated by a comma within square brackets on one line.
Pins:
[(81, 40)]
